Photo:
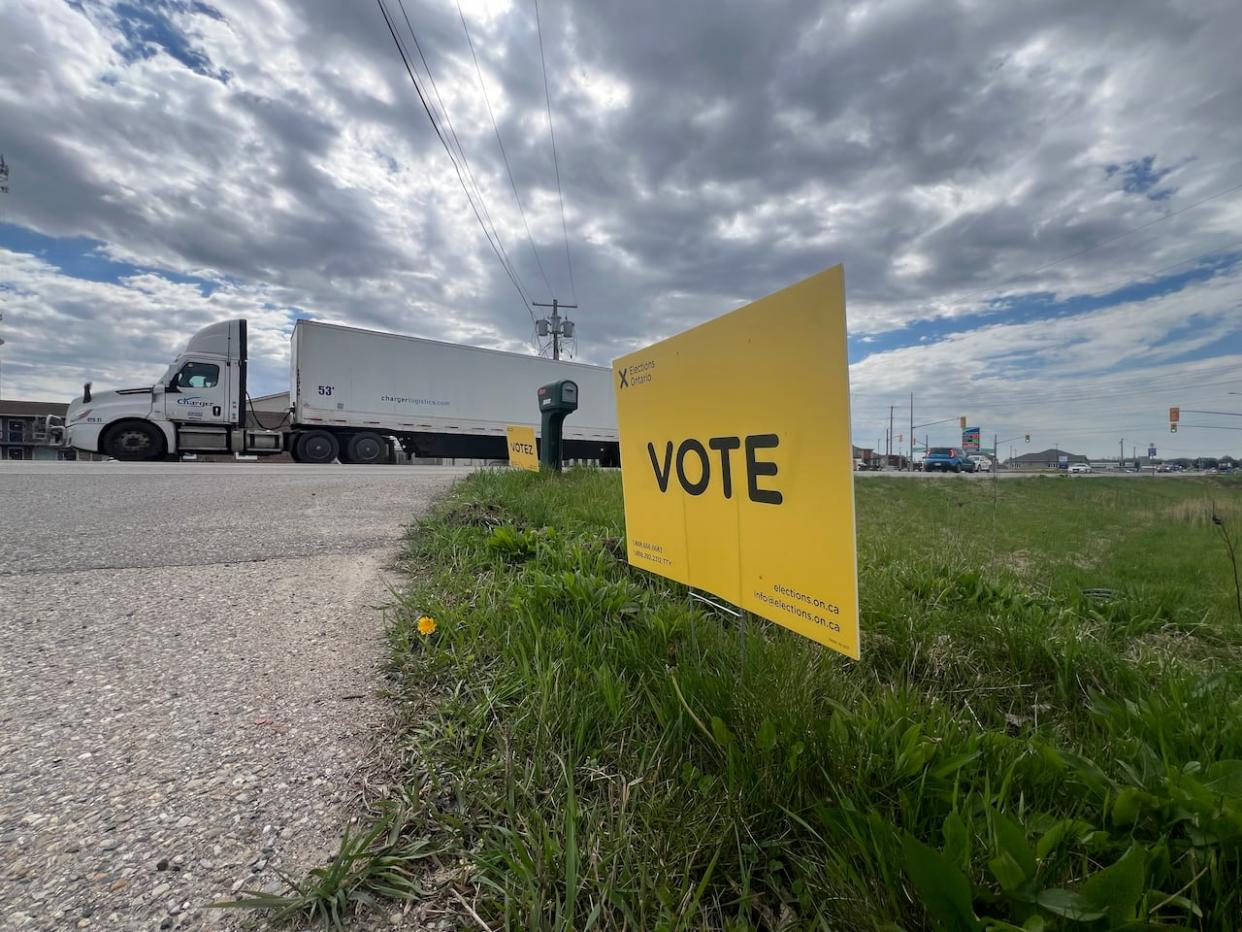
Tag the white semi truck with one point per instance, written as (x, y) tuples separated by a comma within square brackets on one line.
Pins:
[(354, 396)]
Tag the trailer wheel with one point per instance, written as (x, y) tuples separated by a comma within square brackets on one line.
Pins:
[(366, 448), (133, 440), (317, 446)]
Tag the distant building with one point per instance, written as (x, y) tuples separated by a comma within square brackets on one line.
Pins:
[(24, 434), (1049, 459)]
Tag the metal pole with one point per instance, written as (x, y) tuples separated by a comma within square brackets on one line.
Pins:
[(890, 436), (555, 324), (912, 432), (556, 331)]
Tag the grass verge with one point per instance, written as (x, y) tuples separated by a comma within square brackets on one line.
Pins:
[(1043, 733)]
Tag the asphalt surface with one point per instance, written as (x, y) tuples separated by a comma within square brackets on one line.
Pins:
[(1003, 474), (188, 666)]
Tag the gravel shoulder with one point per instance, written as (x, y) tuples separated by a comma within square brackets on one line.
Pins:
[(171, 732)]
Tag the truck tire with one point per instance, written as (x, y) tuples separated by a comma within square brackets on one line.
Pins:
[(133, 440), (295, 444), (366, 449), (317, 446)]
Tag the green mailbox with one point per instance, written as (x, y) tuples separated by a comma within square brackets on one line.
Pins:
[(557, 400)]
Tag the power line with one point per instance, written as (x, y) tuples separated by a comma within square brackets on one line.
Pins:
[(1170, 382), (456, 168), (1130, 280), (507, 262), (547, 96), (1101, 244), (1166, 384), (503, 154)]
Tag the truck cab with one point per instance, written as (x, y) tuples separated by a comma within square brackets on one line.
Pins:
[(197, 406)]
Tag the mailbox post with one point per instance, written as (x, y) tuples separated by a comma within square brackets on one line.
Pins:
[(557, 400)]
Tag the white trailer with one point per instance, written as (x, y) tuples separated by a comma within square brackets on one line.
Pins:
[(437, 399), (354, 395)]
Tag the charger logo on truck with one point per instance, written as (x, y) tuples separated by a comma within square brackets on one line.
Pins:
[(194, 401), (406, 400)]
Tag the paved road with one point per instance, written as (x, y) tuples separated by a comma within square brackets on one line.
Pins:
[(985, 476), (187, 671)]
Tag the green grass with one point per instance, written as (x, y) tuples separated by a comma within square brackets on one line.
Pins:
[(1044, 731)]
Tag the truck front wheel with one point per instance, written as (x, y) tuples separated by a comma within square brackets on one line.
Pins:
[(317, 446), (366, 448), (133, 440)]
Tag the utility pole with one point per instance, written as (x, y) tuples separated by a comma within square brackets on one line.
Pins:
[(1121, 461), (889, 462), (556, 325), (912, 432)]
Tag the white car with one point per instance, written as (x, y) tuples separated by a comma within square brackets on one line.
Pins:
[(1079, 467), (982, 463)]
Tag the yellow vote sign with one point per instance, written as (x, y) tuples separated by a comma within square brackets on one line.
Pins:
[(523, 454), (736, 460)]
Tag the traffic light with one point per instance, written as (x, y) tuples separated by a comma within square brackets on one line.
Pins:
[(1028, 438), (1173, 427), (963, 419), (1175, 415)]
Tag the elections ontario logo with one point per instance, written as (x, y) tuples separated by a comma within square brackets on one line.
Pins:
[(638, 374)]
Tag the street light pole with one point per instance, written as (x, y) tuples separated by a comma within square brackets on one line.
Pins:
[(911, 464), (888, 462)]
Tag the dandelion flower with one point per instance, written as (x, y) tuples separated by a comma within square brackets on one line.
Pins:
[(426, 625)]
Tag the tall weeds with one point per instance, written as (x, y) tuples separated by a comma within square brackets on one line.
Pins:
[(610, 755)]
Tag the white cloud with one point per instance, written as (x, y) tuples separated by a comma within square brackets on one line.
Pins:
[(1083, 379), (948, 154)]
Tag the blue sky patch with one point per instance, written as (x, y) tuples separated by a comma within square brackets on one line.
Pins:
[(148, 29), (1140, 176), (1039, 306), (85, 258)]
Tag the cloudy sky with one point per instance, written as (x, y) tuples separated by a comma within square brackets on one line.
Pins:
[(1038, 204)]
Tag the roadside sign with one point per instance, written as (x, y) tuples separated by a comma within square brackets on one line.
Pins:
[(970, 440), (523, 454), (736, 461), (1151, 451)]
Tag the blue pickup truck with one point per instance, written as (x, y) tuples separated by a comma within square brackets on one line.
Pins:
[(947, 459)]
